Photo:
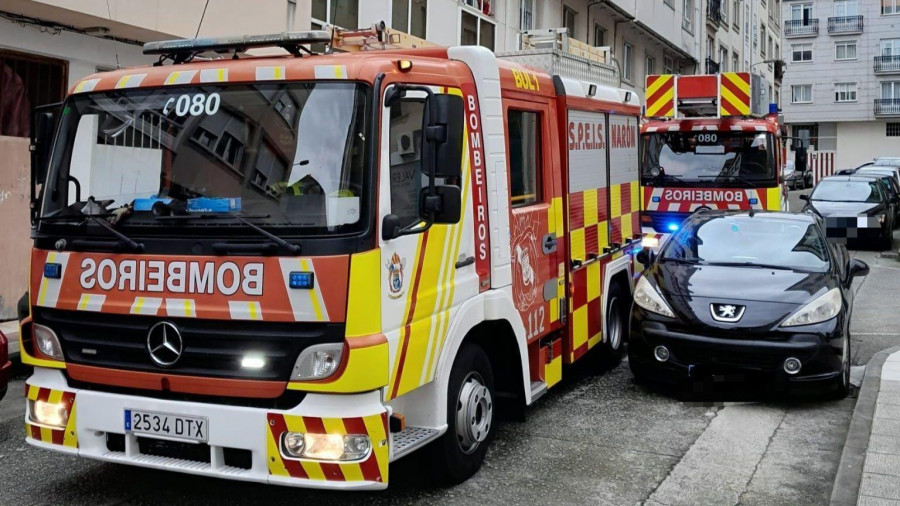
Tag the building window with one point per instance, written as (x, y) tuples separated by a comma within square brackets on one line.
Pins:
[(809, 133), (890, 6), (346, 14), (777, 96), (723, 59), (599, 35), (28, 81), (844, 8), (526, 15), (735, 62), (845, 50), (736, 14), (650, 65), (670, 3), (569, 20), (890, 90), (776, 12), (762, 40), (772, 54), (801, 94), (476, 30), (892, 130), (890, 47), (687, 16), (628, 62), (485, 7), (777, 53), (802, 12), (724, 8), (409, 16), (668, 65), (524, 154), (747, 24), (845, 92)]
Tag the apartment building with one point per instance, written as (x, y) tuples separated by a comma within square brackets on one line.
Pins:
[(744, 36), (842, 83)]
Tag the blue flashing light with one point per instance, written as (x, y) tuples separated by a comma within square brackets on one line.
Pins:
[(637, 250), (52, 271), (753, 202), (654, 199), (302, 280), (672, 226)]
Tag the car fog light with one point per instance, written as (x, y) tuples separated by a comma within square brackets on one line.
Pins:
[(341, 447), (792, 366), (51, 414), (661, 353)]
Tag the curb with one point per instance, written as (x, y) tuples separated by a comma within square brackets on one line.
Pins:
[(853, 456)]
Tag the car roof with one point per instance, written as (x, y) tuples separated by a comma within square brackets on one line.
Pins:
[(879, 168), (851, 178), (709, 215)]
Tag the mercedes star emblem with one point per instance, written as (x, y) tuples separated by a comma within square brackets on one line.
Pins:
[(164, 344)]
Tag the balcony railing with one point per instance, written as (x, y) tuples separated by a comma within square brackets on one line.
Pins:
[(714, 12), (712, 66), (887, 107), (887, 64), (845, 24), (801, 28)]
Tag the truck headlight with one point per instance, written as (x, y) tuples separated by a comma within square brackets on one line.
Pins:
[(646, 296), (318, 361), (47, 343), (51, 414), (341, 447), (822, 309)]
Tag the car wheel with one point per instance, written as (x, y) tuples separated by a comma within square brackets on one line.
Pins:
[(842, 387), (470, 418)]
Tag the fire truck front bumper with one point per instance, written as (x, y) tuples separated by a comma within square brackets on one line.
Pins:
[(337, 442)]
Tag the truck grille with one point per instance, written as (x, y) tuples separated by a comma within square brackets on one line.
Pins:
[(212, 348)]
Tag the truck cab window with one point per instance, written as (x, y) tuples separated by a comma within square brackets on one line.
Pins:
[(405, 141), (524, 153)]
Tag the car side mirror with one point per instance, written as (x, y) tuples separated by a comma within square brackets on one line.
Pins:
[(858, 268), (646, 257), (804, 197)]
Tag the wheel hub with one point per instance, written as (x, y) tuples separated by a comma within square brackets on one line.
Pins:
[(614, 324), (474, 413)]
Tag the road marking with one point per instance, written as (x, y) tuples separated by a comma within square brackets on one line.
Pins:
[(720, 464)]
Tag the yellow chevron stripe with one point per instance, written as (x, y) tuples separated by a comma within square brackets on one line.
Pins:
[(658, 84), (375, 428), (742, 107), (274, 462), (667, 98), (313, 469), (71, 437), (735, 79)]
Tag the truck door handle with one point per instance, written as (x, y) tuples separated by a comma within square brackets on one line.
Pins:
[(467, 261), (548, 245)]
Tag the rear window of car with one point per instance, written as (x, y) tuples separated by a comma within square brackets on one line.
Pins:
[(847, 191), (750, 241)]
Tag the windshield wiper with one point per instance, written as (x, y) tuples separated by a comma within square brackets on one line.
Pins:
[(100, 220), (681, 260), (291, 247), (731, 177), (752, 264)]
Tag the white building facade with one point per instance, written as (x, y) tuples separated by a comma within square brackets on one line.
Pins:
[(842, 84)]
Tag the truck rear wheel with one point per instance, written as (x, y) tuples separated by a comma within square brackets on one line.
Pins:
[(470, 418)]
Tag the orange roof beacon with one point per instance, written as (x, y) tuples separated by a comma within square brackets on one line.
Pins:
[(298, 269), (708, 142)]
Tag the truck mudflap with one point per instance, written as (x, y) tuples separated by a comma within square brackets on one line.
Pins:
[(242, 443)]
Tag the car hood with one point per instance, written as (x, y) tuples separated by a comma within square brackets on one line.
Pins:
[(825, 208), (768, 296)]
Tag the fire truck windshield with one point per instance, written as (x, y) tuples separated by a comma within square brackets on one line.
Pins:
[(284, 155), (706, 157)]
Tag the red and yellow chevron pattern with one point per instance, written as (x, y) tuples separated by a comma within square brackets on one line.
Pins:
[(374, 468), (660, 96), (64, 437), (734, 94)]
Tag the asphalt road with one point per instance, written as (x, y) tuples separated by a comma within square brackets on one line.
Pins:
[(597, 439)]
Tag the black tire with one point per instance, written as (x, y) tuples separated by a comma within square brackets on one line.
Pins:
[(842, 384), (453, 459), (886, 241), (617, 309)]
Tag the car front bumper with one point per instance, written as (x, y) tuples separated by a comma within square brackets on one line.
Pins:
[(96, 430), (693, 356)]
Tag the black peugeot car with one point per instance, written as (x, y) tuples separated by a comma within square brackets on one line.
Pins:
[(744, 294), (856, 210)]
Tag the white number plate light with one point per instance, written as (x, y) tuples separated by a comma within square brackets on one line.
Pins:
[(167, 426)]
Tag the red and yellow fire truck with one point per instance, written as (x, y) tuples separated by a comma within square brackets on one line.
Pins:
[(298, 269), (702, 147)]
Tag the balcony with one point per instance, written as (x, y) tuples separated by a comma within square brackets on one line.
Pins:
[(714, 13), (801, 28), (887, 64), (712, 66), (845, 24), (887, 107)]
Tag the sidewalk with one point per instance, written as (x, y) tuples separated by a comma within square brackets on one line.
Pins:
[(11, 330)]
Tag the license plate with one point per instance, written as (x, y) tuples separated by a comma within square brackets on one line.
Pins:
[(165, 425)]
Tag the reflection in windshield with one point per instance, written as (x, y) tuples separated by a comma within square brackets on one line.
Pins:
[(847, 191), (708, 156), (293, 153), (742, 240)]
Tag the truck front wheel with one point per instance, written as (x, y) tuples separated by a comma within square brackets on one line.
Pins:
[(470, 417)]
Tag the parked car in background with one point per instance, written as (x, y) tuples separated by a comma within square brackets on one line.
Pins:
[(857, 210), (5, 365), (888, 160), (882, 170), (892, 187), (797, 180), (742, 293)]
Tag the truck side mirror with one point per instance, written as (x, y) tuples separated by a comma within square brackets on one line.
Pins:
[(43, 126), (800, 159), (443, 124), (444, 206)]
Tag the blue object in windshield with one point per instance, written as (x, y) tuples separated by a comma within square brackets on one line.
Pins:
[(213, 205), (147, 204)]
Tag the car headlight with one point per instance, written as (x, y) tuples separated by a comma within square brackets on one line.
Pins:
[(822, 309), (646, 296), (318, 361), (881, 218)]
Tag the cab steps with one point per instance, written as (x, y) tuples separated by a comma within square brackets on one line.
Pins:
[(412, 438)]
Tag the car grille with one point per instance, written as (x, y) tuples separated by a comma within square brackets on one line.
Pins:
[(687, 354), (212, 348)]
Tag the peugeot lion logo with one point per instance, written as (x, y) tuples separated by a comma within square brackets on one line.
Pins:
[(164, 344), (728, 313)]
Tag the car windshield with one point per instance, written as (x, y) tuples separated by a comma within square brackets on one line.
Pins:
[(704, 156), (750, 241), (847, 191), (285, 155)]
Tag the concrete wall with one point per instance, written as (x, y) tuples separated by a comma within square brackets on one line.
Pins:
[(15, 178), (861, 141)]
